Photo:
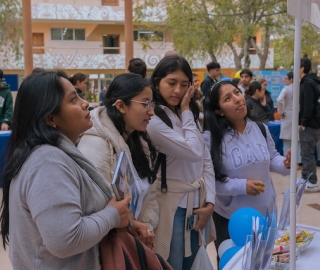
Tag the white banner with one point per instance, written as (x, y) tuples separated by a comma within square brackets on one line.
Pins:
[(310, 10)]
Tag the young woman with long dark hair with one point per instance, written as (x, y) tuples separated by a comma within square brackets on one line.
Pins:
[(120, 125), (56, 206)]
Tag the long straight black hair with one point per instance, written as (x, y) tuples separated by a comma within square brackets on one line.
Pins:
[(166, 66), (217, 125), (125, 87), (39, 96)]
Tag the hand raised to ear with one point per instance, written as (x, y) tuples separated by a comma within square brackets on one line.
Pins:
[(184, 105)]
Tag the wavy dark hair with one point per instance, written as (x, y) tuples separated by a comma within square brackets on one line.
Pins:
[(78, 77), (39, 96), (125, 87), (217, 125), (165, 67), (253, 87)]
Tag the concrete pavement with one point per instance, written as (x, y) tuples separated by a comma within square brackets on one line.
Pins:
[(309, 215)]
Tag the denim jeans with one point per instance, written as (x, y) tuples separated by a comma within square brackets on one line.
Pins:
[(176, 257), (287, 145), (308, 140)]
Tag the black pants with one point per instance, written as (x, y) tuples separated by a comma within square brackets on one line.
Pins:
[(221, 224)]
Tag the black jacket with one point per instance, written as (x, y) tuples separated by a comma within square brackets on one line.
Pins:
[(257, 111), (308, 98), (206, 85)]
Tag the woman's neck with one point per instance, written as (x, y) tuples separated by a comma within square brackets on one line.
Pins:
[(240, 125)]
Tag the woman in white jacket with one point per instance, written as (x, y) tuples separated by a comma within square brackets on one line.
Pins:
[(185, 183), (119, 126), (284, 107)]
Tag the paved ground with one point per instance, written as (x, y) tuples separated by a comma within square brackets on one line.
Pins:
[(309, 215)]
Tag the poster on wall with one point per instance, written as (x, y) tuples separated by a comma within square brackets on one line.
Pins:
[(275, 79)]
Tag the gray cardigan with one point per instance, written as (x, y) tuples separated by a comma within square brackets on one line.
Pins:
[(54, 220)]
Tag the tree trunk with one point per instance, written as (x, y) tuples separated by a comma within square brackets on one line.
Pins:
[(213, 57), (246, 47), (237, 57)]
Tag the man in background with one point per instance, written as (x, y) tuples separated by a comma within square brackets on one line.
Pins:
[(6, 104), (309, 131), (214, 73), (245, 80), (138, 66)]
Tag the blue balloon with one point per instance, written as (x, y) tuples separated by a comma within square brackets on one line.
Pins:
[(226, 79), (227, 255), (240, 224)]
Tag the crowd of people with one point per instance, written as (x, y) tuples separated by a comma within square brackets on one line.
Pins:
[(199, 151)]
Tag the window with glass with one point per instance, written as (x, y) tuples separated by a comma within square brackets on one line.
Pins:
[(111, 44), (148, 35), (68, 34)]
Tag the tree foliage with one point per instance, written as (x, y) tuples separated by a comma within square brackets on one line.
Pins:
[(10, 27), (201, 27)]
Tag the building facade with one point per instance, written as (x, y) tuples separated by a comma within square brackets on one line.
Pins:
[(88, 36)]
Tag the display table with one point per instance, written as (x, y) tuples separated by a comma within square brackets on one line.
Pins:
[(274, 128), (4, 139), (308, 260)]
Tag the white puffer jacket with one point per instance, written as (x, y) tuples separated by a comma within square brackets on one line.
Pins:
[(102, 144)]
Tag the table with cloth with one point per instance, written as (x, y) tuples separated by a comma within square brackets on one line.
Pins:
[(309, 258), (274, 128), (4, 139)]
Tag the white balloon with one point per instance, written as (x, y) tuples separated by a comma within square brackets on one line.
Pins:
[(226, 244)]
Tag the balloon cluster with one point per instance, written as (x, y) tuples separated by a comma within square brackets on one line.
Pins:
[(240, 227)]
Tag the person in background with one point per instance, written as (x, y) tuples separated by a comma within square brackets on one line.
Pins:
[(269, 100), (120, 125), (256, 102), (245, 80), (56, 206), (195, 81), (79, 81), (6, 104), (236, 81), (242, 157), (309, 131), (138, 66), (198, 95), (102, 94), (284, 106), (213, 76), (185, 183), (171, 53)]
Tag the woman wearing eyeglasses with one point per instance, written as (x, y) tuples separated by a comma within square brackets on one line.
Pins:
[(120, 125), (185, 182)]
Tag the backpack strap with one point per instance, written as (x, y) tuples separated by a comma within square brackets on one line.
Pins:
[(141, 254), (162, 159), (162, 261), (262, 129), (127, 261)]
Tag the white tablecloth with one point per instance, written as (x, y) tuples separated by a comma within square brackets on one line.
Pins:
[(308, 260), (310, 257)]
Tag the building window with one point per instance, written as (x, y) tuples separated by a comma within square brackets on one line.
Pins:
[(38, 43), (111, 44), (147, 35), (110, 2), (68, 34)]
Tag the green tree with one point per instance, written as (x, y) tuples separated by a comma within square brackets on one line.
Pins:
[(201, 27), (284, 45), (10, 28)]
